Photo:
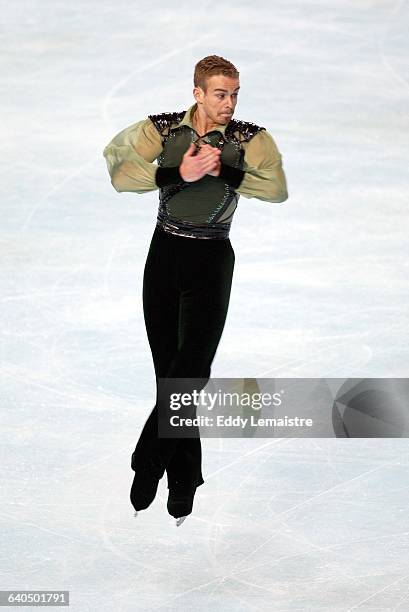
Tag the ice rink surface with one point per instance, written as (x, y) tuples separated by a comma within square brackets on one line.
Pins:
[(320, 289)]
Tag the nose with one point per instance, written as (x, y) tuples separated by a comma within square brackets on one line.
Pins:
[(232, 104)]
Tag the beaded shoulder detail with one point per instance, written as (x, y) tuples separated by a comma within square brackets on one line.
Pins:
[(163, 121), (247, 129)]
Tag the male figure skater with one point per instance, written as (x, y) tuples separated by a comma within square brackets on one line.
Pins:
[(206, 160)]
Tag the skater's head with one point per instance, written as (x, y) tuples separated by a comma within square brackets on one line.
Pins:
[(216, 88)]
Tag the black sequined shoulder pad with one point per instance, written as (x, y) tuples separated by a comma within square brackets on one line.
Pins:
[(247, 129), (163, 121)]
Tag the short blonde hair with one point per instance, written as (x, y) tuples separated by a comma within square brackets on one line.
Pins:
[(211, 65)]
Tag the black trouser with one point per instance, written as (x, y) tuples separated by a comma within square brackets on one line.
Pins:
[(186, 292)]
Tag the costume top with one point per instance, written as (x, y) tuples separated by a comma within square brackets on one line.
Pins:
[(251, 165)]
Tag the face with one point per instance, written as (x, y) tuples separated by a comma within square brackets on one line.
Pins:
[(220, 99)]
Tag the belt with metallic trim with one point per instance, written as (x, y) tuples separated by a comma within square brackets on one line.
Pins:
[(193, 230)]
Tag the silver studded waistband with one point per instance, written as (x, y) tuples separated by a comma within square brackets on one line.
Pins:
[(193, 230)]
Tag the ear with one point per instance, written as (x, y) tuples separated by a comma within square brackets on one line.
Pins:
[(198, 94)]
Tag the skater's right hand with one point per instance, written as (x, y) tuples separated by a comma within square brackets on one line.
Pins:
[(194, 167)]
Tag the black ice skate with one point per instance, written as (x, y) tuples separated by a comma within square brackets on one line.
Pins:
[(144, 486), (180, 501)]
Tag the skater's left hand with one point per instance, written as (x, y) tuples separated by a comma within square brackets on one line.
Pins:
[(215, 171)]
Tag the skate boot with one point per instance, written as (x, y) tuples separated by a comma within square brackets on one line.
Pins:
[(180, 501), (145, 485)]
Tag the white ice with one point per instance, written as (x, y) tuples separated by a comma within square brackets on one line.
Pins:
[(320, 289)]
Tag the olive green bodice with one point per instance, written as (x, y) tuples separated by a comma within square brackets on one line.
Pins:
[(202, 208)]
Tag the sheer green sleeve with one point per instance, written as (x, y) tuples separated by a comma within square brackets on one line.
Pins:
[(129, 157), (264, 176)]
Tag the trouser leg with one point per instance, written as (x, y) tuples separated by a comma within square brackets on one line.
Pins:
[(161, 313), (204, 303)]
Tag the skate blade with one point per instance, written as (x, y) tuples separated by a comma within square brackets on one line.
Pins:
[(180, 520)]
